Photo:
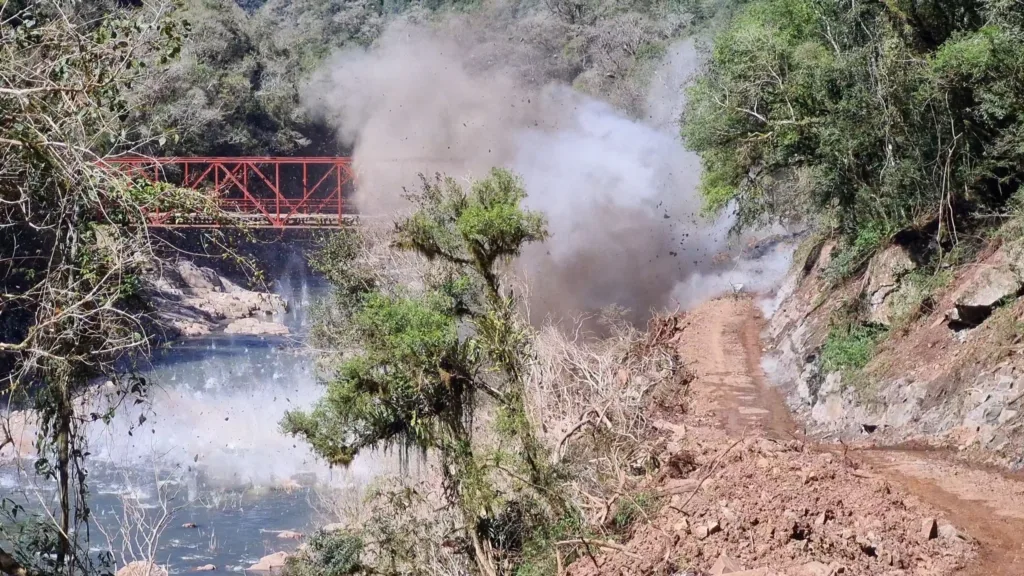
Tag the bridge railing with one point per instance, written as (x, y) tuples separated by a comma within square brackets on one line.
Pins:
[(263, 190)]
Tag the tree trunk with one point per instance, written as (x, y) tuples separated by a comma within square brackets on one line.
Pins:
[(64, 415)]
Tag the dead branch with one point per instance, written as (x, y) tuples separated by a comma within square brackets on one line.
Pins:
[(598, 544), (711, 470)]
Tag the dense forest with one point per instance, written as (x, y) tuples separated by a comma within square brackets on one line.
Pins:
[(235, 87)]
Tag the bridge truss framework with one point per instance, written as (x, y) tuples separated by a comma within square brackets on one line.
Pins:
[(268, 191)]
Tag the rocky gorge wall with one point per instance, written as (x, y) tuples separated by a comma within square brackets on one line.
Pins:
[(947, 369)]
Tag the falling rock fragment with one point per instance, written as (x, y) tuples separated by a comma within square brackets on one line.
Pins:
[(205, 568), (929, 529), (289, 535)]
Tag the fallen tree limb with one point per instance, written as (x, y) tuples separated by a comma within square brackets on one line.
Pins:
[(711, 470), (599, 544)]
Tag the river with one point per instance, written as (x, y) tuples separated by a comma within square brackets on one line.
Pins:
[(206, 450)]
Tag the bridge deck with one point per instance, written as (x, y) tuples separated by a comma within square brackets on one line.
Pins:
[(246, 219)]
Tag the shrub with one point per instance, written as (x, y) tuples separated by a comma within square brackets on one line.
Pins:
[(328, 554)]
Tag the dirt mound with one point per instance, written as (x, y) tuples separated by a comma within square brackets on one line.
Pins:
[(779, 505), (760, 497)]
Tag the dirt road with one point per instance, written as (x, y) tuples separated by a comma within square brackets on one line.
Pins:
[(988, 505)]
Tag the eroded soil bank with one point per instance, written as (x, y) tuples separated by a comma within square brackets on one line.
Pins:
[(745, 490)]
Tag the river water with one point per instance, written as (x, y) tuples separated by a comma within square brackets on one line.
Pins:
[(207, 450)]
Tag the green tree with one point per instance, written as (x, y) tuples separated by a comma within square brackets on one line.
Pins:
[(874, 116), (427, 358)]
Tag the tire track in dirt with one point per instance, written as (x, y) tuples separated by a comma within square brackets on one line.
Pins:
[(732, 365), (987, 504)]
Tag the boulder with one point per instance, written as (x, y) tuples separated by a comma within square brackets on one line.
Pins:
[(994, 280), (269, 563), (256, 327), (142, 568), (883, 274), (189, 300), (205, 568), (197, 279), (193, 329), (236, 305), (948, 532)]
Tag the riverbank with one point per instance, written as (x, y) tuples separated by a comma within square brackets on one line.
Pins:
[(190, 300)]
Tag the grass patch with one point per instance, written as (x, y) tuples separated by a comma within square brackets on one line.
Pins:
[(538, 555), (634, 507), (916, 294), (849, 347)]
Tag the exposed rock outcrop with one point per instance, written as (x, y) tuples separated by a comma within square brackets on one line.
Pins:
[(926, 383), (883, 276), (988, 283), (190, 300), (270, 563), (256, 327)]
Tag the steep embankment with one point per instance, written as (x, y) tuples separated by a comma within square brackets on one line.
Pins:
[(744, 491), (907, 352)]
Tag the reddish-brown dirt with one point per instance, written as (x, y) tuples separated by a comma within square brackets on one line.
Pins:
[(771, 500)]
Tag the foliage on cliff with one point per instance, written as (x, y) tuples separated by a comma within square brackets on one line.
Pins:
[(870, 116)]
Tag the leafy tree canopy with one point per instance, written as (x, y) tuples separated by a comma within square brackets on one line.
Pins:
[(869, 116)]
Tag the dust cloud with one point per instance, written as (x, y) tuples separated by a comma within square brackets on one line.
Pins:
[(620, 194)]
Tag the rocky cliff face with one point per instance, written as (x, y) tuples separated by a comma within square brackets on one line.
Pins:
[(948, 370), (192, 301)]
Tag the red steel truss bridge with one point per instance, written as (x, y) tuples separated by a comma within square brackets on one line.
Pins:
[(264, 191)]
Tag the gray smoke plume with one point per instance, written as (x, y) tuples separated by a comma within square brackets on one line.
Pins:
[(619, 194)]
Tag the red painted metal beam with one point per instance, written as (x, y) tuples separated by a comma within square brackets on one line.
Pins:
[(281, 197)]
